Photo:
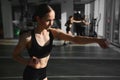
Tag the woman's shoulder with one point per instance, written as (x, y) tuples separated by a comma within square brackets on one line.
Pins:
[(55, 31), (26, 36)]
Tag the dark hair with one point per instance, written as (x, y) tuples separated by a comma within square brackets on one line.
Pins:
[(70, 17), (42, 10)]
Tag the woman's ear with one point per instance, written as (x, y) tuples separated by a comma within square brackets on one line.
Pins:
[(37, 18)]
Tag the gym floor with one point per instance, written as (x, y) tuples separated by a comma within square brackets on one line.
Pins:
[(70, 62)]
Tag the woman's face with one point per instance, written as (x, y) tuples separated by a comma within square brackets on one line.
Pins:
[(48, 20), (71, 18)]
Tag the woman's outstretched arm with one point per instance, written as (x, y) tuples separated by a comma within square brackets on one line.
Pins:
[(79, 39)]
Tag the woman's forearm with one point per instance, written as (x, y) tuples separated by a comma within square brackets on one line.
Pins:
[(87, 40), (84, 40)]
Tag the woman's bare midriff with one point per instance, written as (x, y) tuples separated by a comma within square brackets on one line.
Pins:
[(42, 63)]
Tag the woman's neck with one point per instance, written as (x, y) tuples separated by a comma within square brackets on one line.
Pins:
[(39, 29)]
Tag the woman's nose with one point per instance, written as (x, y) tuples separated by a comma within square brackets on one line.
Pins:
[(51, 23)]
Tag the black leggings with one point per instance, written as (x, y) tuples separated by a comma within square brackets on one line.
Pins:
[(68, 29), (34, 74)]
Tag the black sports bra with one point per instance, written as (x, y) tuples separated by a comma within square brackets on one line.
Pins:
[(37, 50)]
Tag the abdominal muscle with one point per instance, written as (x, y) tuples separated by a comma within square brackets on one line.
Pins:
[(40, 62)]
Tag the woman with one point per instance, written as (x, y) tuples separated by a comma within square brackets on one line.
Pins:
[(38, 42), (68, 25)]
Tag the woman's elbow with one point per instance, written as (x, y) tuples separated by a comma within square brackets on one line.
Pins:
[(15, 54), (73, 39)]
